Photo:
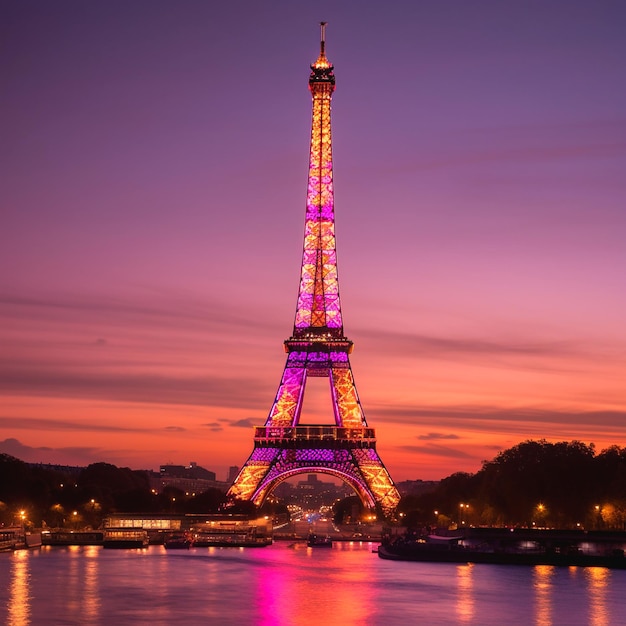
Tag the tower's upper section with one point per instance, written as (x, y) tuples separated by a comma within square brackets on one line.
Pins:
[(322, 79), (318, 314)]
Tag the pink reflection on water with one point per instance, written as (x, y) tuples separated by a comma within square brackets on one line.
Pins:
[(314, 588)]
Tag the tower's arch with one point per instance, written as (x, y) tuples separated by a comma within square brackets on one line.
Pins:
[(367, 499)]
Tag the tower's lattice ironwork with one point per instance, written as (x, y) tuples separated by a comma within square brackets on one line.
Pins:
[(318, 348)]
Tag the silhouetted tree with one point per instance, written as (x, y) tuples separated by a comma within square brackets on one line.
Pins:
[(243, 507), (539, 478), (209, 501), (347, 510)]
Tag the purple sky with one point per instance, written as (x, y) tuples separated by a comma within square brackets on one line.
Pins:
[(152, 195)]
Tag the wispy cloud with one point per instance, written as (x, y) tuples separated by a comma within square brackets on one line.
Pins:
[(70, 455), (436, 450), (247, 422), (156, 349), (431, 347), (453, 415), (131, 386), (435, 436), (213, 426), (537, 143), (165, 308), (52, 424)]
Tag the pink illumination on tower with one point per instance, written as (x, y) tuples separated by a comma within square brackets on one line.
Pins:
[(318, 298), (318, 348)]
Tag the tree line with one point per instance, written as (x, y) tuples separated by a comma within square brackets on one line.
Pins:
[(39, 496), (535, 483)]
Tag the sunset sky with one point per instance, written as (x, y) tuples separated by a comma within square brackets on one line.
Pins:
[(152, 192)]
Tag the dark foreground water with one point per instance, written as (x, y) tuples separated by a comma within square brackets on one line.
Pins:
[(290, 584)]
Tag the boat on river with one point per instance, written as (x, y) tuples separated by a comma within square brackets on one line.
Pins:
[(8, 540), (17, 538), (227, 532), (315, 541), (213, 539), (125, 538), (530, 548), (72, 537), (178, 542)]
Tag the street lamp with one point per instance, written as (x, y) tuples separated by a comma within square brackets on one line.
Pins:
[(541, 514)]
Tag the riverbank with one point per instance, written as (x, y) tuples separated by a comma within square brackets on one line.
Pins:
[(510, 546)]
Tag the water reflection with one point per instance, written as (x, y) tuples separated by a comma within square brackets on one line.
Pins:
[(19, 590), (317, 588), (91, 602), (542, 585), (284, 584), (465, 594), (73, 580), (597, 582)]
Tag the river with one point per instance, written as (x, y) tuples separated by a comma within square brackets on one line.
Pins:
[(289, 584)]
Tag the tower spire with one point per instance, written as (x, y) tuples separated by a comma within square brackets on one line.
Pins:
[(319, 310), (322, 68)]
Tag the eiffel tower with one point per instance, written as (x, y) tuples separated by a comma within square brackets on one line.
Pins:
[(318, 347)]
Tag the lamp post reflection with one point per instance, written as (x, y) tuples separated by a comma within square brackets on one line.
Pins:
[(597, 581), (465, 593), (542, 584), (19, 589)]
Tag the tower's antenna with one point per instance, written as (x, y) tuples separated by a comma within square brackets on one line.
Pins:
[(322, 37)]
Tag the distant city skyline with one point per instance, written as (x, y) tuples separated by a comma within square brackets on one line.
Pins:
[(155, 160)]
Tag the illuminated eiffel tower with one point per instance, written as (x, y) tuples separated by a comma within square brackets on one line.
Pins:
[(318, 347)]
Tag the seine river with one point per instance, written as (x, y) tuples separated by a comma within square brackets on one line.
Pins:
[(290, 584)]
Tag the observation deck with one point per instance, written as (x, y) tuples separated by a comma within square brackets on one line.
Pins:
[(314, 437)]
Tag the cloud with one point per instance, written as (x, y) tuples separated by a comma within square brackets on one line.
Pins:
[(157, 350), (174, 429), (538, 143), (159, 308), (121, 386), (474, 415), (432, 436), (436, 347), (247, 422), (436, 450), (213, 426), (51, 424), (71, 455)]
